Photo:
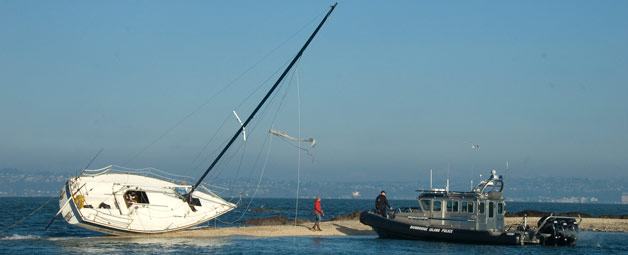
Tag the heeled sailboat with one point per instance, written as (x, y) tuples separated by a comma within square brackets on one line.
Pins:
[(119, 201)]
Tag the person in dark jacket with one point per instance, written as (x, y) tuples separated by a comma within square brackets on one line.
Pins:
[(381, 204)]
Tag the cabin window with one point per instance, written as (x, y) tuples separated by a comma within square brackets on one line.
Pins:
[(491, 209), (500, 208), (481, 207), (450, 205), (471, 207), (437, 205), (464, 206), (455, 206), (426, 205), (135, 197)]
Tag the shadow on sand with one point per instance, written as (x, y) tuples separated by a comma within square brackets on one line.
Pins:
[(352, 231)]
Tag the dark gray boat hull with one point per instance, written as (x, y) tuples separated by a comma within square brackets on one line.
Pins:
[(390, 228)]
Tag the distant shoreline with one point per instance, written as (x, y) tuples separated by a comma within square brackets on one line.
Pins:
[(368, 199)]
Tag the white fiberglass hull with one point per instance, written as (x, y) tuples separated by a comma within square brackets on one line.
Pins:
[(109, 203)]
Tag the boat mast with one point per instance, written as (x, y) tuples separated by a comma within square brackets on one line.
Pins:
[(261, 103)]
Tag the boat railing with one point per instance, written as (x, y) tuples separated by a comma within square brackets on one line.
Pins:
[(183, 180), (493, 183)]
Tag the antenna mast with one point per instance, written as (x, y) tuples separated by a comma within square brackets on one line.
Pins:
[(431, 179)]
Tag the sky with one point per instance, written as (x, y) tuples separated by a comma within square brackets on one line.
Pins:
[(388, 89)]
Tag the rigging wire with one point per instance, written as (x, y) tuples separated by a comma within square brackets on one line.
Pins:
[(48, 201), (296, 206), (251, 130), (27, 216), (269, 139), (220, 91), (259, 182), (237, 174), (198, 155), (307, 151), (253, 126), (270, 106)]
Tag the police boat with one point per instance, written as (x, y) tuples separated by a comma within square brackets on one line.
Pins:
[(469, 217)]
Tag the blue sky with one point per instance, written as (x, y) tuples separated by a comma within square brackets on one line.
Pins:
[(389, 90)]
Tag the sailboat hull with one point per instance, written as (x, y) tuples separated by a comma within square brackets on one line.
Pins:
[(120, 204)]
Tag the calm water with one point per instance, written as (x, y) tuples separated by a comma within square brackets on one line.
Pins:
[(61, 238)]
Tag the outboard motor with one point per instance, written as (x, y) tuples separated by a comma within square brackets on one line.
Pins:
[(557, 230)]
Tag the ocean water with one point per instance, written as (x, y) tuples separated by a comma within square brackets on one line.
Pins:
[(29, 237)]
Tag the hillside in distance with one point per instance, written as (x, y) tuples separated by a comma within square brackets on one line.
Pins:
[(18, 183)]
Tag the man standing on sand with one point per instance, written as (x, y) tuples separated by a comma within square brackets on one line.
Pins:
[(318, 213), (381, 204)]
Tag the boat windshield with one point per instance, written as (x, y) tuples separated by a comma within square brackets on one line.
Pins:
[(426, 205), (437, 205), (494, 183)]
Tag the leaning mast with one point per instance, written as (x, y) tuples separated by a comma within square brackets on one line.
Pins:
[(261, 103)]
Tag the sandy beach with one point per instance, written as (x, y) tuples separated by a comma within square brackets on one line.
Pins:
[(355, 228)]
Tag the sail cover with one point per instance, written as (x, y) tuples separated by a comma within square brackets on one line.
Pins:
[(285, 135)]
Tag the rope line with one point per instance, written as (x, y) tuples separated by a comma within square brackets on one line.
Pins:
[(27, 216)]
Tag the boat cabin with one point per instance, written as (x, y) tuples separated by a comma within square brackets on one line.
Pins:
[(483, 208)]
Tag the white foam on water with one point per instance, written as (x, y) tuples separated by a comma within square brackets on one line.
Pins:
[(19, 237)]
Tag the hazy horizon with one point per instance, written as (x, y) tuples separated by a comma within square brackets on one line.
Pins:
[(389, 91)]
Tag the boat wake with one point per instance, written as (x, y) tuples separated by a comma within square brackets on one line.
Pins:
[(19, 237)]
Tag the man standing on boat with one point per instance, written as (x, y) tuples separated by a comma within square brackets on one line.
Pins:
[(318, 213), (381, 204)]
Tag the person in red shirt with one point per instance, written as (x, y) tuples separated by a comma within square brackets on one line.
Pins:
[(318, 213)]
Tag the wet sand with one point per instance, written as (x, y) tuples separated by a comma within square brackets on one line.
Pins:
[(355, 228)]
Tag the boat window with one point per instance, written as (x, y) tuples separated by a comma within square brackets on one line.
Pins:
[(464, 206), (471, 207), (500, 208), (491, 209), (135, 197), (426, 205), (450, 205), (455, 206), (481, 207), (437, 205)]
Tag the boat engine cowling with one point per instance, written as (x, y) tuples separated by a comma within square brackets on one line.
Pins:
[(557, 230)]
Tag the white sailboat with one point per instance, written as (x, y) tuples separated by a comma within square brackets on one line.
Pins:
[(120, 201)]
